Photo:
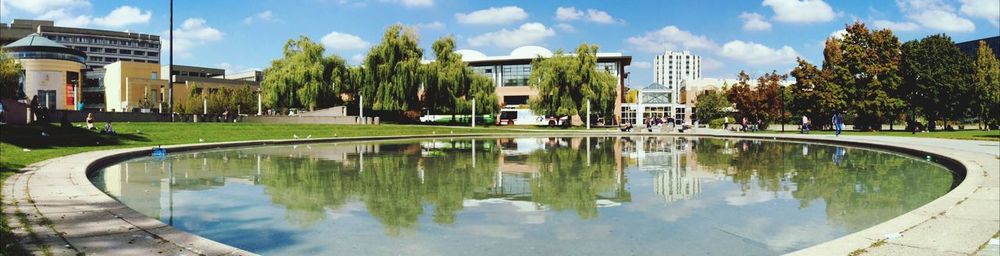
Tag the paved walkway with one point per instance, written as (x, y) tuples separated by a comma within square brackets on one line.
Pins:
[(68, 215)]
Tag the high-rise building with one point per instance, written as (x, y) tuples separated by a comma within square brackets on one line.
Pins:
[(673, 67), (102, 47)]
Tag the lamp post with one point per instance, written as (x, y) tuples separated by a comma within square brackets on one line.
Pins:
[(170, 65)]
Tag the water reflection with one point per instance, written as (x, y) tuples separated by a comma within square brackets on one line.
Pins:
[(405, 186)]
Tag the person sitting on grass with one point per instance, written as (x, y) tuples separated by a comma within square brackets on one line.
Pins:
[(108, 129), (628, 127), (90, 121)]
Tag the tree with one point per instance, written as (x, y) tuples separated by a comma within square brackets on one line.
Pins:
[(938, 76), (743, 97), (987, 86), (871, 60), (392, 72), (712, 105), (566, 83), (304, 78), (10, 75), (450, 85), (813, 95)]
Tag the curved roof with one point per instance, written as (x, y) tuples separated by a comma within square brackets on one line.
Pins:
[(35, 46), (655, 87), (530, 51), (35, 39)]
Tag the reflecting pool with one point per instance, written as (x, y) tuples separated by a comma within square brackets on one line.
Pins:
[(527, 196)]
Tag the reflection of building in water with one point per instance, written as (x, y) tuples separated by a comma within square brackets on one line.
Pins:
[(671, 162)]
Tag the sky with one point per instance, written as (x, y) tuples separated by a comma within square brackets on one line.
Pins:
[(756, 36)]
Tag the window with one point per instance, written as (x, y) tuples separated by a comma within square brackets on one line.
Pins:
[(152, 54), (125, 51), (154, 76), (140, 53), (516, 75), (515, 100), (110, 50)]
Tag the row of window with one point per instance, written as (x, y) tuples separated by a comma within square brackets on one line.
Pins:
[(517, 75), (47, 55), (101, 40)]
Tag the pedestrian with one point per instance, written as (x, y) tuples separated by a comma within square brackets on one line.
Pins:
[(725, 123), (744, 123), (90, 121), (805, 124), (3, 119), (838, 123), (34, 108), (108, 129)]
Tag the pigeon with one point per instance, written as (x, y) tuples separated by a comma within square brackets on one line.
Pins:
[(334, 135), (201, 140), (295, 136), (310, 136)]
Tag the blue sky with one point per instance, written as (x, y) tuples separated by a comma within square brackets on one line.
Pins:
[(757, 36)]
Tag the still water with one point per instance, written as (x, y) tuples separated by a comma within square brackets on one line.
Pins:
[(527, 196)]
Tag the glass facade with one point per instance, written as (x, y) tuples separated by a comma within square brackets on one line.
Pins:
[(610, 67), (48, 55), (516, 75)]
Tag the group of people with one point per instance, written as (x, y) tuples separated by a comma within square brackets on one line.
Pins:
[(108, 129), (837, 120), (745, 124)]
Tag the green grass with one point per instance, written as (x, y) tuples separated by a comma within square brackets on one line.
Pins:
[(957, 135), (14, 139)]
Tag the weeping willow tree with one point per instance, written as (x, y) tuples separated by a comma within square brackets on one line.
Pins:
[(391, 73), (304, 78), (450, 85), (566, 83)]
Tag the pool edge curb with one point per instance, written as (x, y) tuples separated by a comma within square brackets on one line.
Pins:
[(62, 190)]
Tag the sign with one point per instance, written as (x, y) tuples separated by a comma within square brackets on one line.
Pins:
[(70, 93)]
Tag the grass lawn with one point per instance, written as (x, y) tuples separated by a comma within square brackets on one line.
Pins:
[(957, 135)]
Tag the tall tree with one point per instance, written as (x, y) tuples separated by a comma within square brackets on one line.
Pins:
[(743, 97), (450, 85), (871, 83), (10, 74), (392, 71), (303, 77), (938, 76), (987, 86), (566, 83)]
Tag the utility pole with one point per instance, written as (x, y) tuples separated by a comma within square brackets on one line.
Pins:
[(170, 66)]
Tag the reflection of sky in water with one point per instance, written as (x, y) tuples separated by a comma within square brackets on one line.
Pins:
[(669, 203)]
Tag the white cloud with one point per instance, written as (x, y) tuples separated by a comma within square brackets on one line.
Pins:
[(642, 64), (493, 15), (943, 20), (41, 6), (936, 15), (62, 17), (839, 34), (800, 11), (418, 3), (193, 32), (342, 41), (598, 16), (526, 34), (436, 25), (566, 27), (757, 54), (669, 38), (264, 16), (754, 22), (895, 26), (358, 58), (986, 9), (124, 16), (568, 14)]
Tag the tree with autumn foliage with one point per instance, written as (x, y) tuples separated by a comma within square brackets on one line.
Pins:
[(763, 102), (987, 87), (867, 66)]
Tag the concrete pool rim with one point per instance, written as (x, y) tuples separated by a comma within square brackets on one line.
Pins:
[(80, 195)]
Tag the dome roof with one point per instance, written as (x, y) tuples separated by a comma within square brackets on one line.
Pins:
[(471, 55), (530, 51), (36, 46)]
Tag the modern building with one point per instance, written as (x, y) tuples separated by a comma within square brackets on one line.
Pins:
[(133, 86), (52, 71), (510, 73), (101, 46), (971, 48)]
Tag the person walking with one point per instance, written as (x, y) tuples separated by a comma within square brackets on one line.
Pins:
[(744, 123), (838, 123), (805, 124), (725, 123)]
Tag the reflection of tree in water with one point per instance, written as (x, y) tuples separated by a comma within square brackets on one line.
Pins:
[(569, 180), (864, 189)]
